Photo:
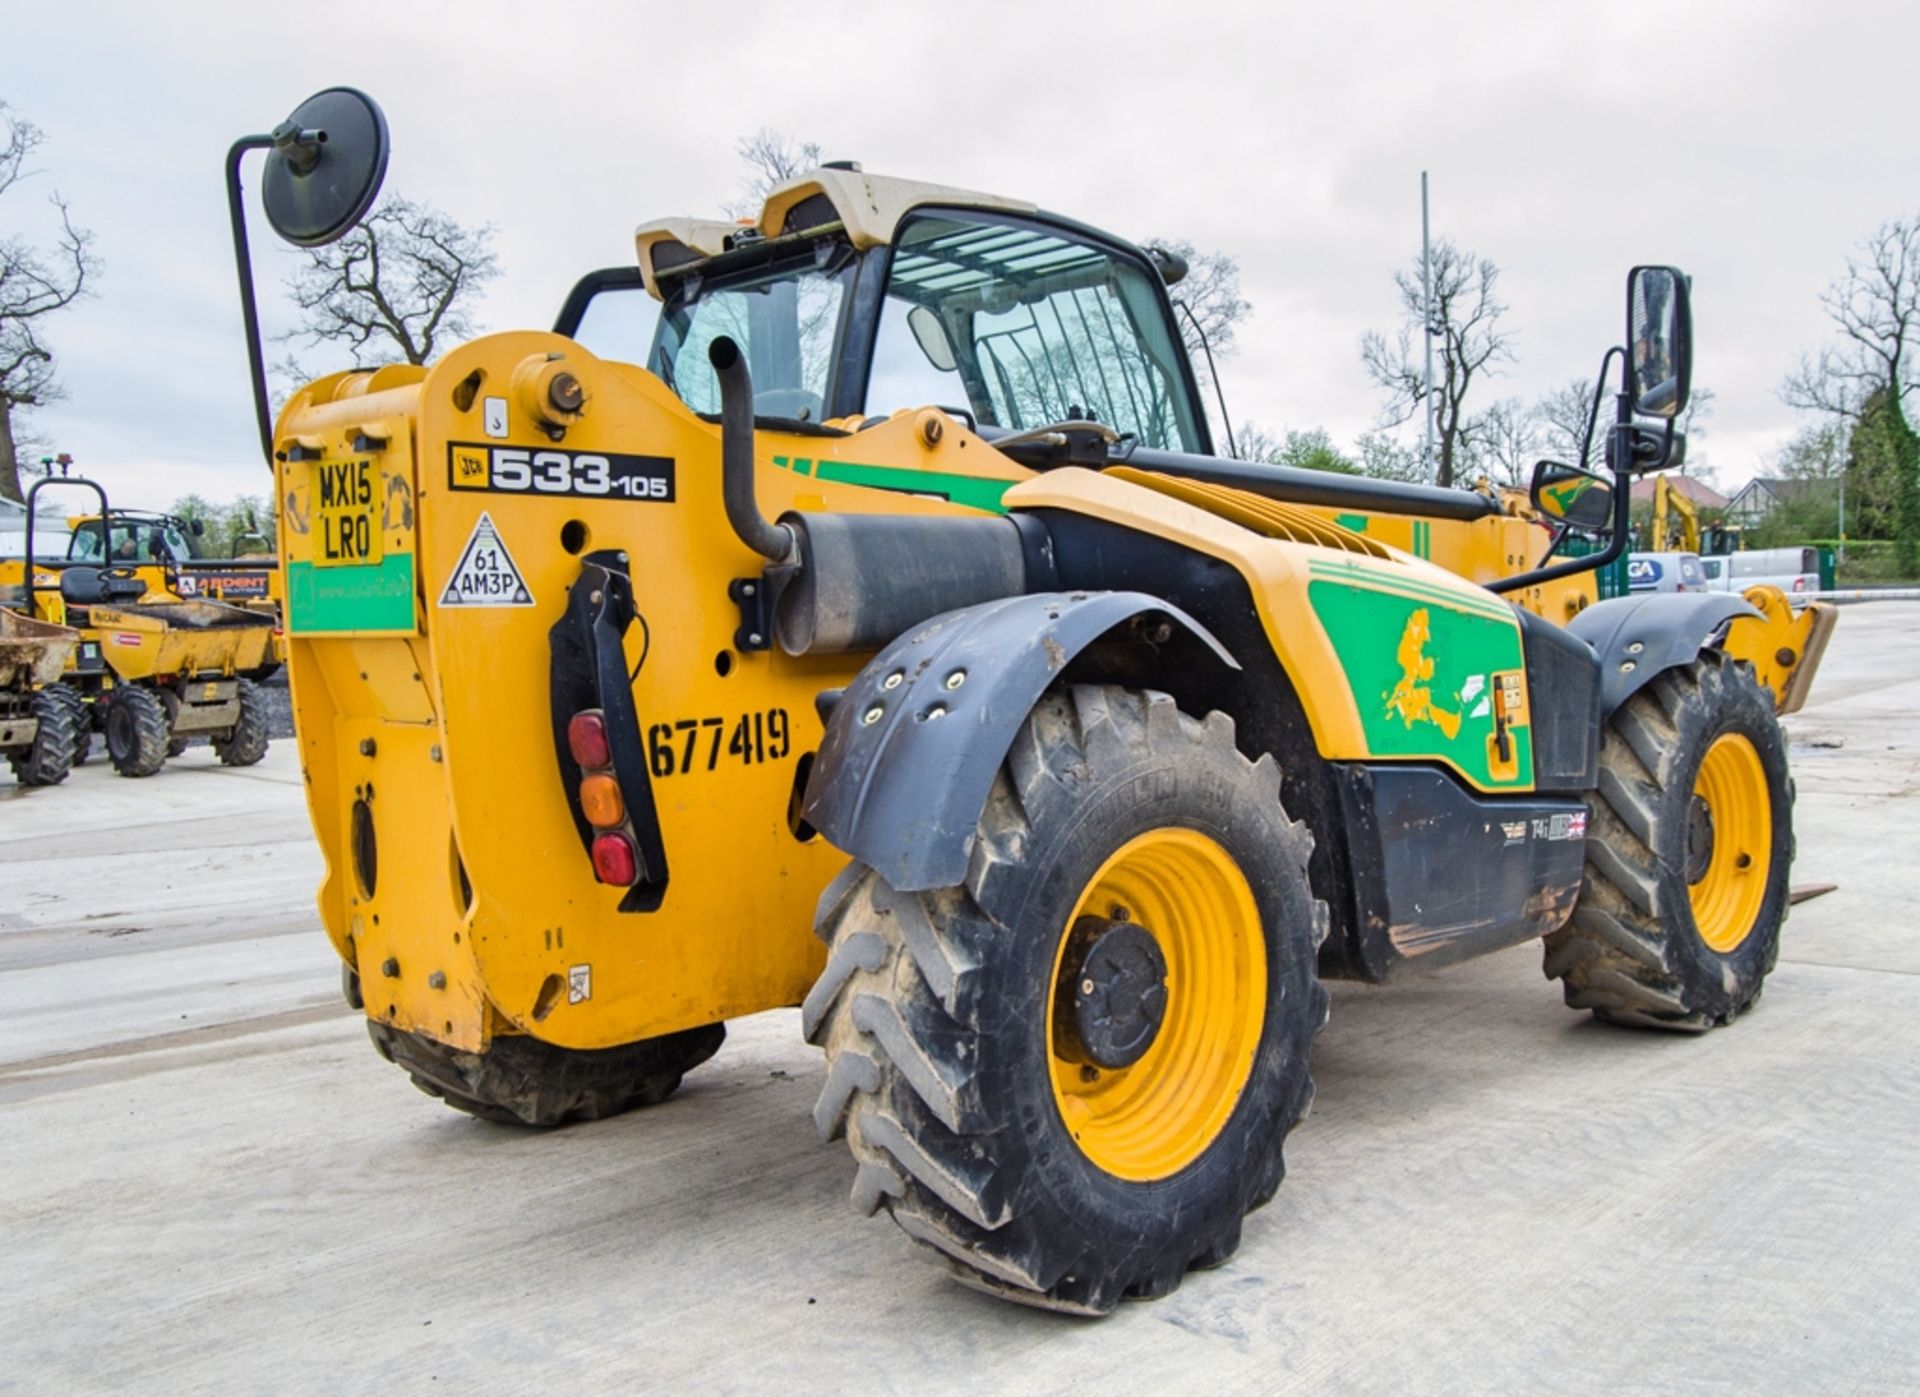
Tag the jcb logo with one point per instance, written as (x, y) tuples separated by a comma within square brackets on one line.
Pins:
[(514, 470)]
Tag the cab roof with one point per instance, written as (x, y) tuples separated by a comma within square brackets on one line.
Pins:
[(868, 207)]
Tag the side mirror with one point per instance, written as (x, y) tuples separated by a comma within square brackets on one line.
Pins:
[(931, 336), (325, 168), (1659, 341), (1578, 499), (199, 527)]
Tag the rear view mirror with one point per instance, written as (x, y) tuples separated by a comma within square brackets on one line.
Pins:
[(325, 168), (931, 336), (1659, 341), (1569, 496)]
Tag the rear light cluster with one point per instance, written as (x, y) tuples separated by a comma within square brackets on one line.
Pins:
[(615, 860)]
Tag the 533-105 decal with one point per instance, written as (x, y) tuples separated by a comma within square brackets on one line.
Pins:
[(701, 744), (522, 470)]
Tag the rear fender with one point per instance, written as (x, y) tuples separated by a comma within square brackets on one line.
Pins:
[(913, 744), (1638, 638)]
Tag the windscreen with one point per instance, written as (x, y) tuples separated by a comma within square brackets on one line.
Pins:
[(1025, 326), (785, 319)]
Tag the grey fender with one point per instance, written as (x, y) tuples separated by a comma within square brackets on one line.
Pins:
[(913, 744), (1636, 638)]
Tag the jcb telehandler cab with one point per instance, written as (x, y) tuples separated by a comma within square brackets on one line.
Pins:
[(894, 591)]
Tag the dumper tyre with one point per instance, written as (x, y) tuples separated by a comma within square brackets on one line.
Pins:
[(986, 1061), (47, 759), (520, 1080), (137, 733), (82, 720), (245, 743), (1689, 847)]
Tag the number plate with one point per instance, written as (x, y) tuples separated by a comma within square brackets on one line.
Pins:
[(519, 470), (346, 514)]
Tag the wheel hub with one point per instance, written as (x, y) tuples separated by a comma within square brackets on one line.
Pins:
[(1699, 838), (1117, 975)]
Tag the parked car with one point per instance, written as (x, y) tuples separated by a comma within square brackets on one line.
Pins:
[(1795, 571), (1665, 572)]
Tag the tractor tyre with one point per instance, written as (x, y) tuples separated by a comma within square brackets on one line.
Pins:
[(82, 716), (1073, 1074), (46, 761), (136, 731), (524, 1081), (245, 743), (1689, 845)]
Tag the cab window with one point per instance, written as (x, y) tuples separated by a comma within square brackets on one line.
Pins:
[(1026, 325)]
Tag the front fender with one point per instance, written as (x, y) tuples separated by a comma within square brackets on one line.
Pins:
[(912, 746), (1637, 638)]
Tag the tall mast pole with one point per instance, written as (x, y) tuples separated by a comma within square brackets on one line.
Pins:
[(1426, 311)]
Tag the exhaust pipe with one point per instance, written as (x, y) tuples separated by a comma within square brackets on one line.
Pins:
[(775, 542)]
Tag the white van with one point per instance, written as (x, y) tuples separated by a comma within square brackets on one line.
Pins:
[(1665, 572), (1795, 571)]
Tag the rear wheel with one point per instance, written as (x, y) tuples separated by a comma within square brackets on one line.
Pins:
[(245, 743), (524, 1081), (46, 761), (81, 717), (136, 731), (1072, 1075), (1689, 847)]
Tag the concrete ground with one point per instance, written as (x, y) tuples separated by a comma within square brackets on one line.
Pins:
[(211, 1183)]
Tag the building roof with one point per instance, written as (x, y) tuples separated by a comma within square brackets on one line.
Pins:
[(1702, 496)]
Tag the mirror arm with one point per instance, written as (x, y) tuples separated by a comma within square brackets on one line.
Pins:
[(249, 311)]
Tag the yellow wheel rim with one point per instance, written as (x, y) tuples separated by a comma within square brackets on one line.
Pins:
[(1156, 1116), (1727, 892)]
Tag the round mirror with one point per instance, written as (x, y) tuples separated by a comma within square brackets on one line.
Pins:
[(325, 167)]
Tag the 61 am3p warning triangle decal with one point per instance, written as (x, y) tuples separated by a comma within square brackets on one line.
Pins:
[(485, 574)]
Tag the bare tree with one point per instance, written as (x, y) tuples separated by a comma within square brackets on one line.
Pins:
[(1507, 438), (1875, 306), (1561, 416), (34, 283), (1468, 342), (397, 289), (771, 159), (1207, 301)]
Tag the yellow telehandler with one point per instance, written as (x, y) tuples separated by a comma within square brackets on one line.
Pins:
[(892, 591)]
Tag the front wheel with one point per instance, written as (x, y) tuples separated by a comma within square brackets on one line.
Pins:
[(137, 734), (1072, 1076), (1689, 845), (46, 761)]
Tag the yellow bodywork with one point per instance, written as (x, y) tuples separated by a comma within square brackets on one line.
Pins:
[(457, 885), (471, 907)]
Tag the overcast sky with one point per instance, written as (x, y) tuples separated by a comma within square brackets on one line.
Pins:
[(1752, 142)]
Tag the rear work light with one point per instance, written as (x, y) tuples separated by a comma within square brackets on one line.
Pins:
[(587, 739), (614, 860), (600, 799)]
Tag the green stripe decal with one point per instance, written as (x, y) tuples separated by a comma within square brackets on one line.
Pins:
[(1467, 599), (1422, 677), (374, 597), (972, 491)]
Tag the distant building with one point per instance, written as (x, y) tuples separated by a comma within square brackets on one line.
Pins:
[(1701, 495), (1762, 495)]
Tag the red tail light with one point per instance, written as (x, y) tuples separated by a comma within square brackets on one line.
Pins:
[(614, 860), (587, 739)]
